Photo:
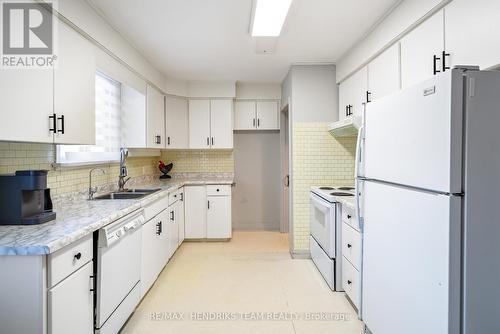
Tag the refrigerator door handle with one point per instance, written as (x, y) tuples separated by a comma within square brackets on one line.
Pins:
[(359, 211), (358, 170)]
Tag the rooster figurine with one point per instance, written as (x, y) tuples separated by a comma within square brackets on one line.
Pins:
[(165, 169)]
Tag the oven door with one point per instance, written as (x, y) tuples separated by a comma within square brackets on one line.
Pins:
[(322, 223)]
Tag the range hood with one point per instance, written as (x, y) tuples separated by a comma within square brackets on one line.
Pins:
[(345, 128)]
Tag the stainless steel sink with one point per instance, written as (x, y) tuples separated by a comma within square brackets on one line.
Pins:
[(146, 191), (127, 194)]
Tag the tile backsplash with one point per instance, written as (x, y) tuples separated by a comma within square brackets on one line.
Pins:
[(63, 180), (200, 161), (318, 159)]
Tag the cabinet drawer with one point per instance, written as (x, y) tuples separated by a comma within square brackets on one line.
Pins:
[(173, 196), (351, 282), (218, 190), (68, 259), (155, 208), (351, 245), (349, 216)]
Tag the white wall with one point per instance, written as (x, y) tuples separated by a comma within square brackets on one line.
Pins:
[(257, 194), (87, 19), (402, 19), (211, 89), (315, 93), (258, 91)]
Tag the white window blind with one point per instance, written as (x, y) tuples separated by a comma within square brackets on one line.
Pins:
[(107, 127)]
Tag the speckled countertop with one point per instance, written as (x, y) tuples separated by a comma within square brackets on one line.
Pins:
[(78, 217), (347, 201)]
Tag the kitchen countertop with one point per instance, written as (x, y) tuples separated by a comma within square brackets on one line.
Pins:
[(77, 218), (347, 201)]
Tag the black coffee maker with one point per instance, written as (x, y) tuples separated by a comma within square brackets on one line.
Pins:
[(25, 198)]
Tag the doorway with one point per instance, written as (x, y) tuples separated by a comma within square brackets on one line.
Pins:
[(285, 144)]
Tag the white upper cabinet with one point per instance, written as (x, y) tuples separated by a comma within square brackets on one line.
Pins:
[(155, 118), (177, 120), (384, 76), (221, 124), (244, 115), (472, 32), (26, 105), (199, 124), (133, 123), (74, 88), (422, 51), (353, 93), (267, 115), (211, 124), (256, 115)]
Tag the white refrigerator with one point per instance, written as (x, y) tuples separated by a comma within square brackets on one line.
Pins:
[(428, 194)]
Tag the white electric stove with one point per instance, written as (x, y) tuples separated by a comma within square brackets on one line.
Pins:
[(326, 227)]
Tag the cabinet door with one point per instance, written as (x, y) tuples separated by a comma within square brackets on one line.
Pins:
[(383, 74), (219, 217), (133, 124), (155, 118), (221, 124), (177, 120), (180, 217), (70, 304), (195, 209), (471, 30), (353, 93), (418, 49), (150, 253), (244, 115), (173, 229), (199, 124), (26, 104), (74, 88), (267, 115)]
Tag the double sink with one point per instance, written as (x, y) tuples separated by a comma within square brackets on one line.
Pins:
[(127, 194)]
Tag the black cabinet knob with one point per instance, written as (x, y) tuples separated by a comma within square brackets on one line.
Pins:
[(349, 245), (78, 256), (217, 189), (348, 216), (349, 282)]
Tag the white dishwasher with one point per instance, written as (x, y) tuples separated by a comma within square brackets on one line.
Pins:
[(118, 272)]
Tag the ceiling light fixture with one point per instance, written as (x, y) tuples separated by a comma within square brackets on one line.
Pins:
[(269, 17)]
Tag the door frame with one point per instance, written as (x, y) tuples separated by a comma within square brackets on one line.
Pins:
[(286, 130)]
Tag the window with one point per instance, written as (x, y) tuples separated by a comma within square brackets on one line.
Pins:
[(107, 127)]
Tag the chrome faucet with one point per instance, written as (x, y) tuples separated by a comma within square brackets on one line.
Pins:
[(93, 190), (122, 178)]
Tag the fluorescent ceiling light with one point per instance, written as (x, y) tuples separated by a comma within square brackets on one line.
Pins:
[(269, 17)]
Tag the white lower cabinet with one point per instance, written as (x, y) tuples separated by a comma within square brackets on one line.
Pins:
[(208, 212), (219, 217), (70, 304), (173, 229), (154, 253), (195, 203), (180, 215), (351, 256)]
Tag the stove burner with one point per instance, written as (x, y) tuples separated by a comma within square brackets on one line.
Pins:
[(346, 188), (326, 188), (338, 193)]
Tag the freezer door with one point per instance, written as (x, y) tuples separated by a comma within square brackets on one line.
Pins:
[(414, 137), (407, 285)]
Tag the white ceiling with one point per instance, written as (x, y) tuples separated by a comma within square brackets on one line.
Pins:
[(209, 39)]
